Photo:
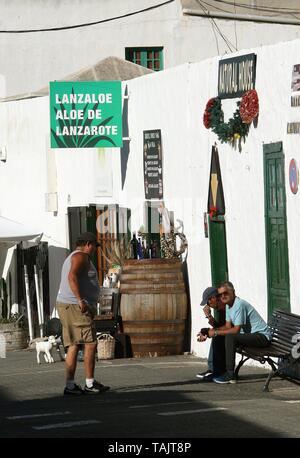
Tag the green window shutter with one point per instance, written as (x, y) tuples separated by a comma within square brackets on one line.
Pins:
[(147, 57)]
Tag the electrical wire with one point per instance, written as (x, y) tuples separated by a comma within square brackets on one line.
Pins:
[(88, 24), (235, 26), (213, 29), (214, 7), (214, 24), (216, 38), (272, 9)]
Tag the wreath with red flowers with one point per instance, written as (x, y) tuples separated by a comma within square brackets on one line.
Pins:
[(207, 113), (238, 125), (249, 106)]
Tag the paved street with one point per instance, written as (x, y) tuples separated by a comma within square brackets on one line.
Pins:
[(149, 398)]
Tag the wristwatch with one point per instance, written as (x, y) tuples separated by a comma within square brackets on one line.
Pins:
[(216, 333)]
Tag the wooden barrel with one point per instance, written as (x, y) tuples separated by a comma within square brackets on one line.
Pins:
[(154, 306)]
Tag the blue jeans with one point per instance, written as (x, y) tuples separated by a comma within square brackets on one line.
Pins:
[(210, 360), (218, 355)]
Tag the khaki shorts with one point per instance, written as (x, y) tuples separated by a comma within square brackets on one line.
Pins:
[(78, 328)]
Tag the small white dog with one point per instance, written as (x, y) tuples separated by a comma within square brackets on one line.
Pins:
[(46, 348)]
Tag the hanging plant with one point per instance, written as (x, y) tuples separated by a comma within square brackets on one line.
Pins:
[(236, 128)]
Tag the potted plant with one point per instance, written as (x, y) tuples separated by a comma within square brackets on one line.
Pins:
[(14, 330), (118, 253)]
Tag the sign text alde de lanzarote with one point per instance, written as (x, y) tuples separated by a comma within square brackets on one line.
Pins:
[(236, 76), (86, 114)]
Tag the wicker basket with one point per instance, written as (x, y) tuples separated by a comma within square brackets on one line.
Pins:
[(106, 346)]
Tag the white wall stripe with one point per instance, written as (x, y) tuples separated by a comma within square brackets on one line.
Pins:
[(185, 412), (161, 404), (68, 424), (293, 402), (36, 415)]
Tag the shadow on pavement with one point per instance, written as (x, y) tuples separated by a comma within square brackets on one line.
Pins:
[(147, 401), (135, 413)]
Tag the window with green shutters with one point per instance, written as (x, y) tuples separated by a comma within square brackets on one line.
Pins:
[(147, 57)]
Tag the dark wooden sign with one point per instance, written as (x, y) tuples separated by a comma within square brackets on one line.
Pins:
[(153, 178), (236, 76)]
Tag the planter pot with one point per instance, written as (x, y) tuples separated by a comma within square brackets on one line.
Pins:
[(15, 336)]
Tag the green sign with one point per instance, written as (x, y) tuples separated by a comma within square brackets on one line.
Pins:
[(86, 114)]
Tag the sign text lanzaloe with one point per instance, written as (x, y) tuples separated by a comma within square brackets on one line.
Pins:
[(86, 114)]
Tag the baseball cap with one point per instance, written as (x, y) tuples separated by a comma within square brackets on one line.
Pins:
[(207, 294), (88, 237)]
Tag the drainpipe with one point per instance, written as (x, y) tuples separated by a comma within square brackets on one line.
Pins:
[(240, 17)]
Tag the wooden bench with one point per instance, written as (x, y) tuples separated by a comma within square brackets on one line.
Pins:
[(285, 327)]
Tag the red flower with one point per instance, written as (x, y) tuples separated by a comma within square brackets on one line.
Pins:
[(249, 106), (213, 211), (207, 113)]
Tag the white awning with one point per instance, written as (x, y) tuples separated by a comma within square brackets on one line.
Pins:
[(13, 232)]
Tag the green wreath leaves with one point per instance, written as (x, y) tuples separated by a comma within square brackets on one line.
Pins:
[(236, 129)]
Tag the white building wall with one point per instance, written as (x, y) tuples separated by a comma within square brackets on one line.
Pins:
[(172, 101), (49, 56), (46, 56)]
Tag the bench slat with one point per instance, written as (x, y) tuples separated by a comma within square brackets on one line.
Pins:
[(263, 352), (283, 341), (287, 315), (283, 319), (287, 342), (271, 350), (287, 326), (281, 348)]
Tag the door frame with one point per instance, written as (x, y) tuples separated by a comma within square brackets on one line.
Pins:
[(275, 149)]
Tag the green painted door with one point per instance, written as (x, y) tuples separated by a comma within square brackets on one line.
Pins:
[(276, 229), (218, 250)]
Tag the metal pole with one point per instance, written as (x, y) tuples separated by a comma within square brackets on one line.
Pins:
[(38, 302), (41, 295), (9, 295), (28, 302)]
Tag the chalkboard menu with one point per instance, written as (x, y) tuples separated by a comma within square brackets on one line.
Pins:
[(153, 179)]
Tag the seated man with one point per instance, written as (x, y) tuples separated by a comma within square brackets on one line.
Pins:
[(216, 359), (244, 326)]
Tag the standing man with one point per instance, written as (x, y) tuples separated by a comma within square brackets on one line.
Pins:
[(76, 306), (216, 356), (244, 326)]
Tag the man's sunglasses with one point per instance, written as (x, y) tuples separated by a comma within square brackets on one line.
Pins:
[(223, 293)]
